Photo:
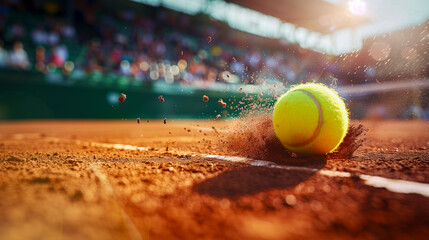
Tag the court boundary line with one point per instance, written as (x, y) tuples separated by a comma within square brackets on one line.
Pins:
[(392, 185)]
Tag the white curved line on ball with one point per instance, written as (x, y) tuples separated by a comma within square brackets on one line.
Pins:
[(319, 122)]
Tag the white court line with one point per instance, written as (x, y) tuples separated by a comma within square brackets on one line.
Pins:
[(228, 158), (260, 163), (331, 173), (118, 146), (393, 185)]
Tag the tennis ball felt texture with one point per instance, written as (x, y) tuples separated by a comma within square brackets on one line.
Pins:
[(310, 119)]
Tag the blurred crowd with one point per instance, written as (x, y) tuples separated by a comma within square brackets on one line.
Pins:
[(17, 56), (161, 44)]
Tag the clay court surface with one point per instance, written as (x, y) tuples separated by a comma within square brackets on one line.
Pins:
[(123, 180)]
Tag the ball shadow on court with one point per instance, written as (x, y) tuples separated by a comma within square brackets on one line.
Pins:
[(249, 180), (254, 138)]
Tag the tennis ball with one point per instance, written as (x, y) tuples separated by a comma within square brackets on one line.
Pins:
[(310, 119)]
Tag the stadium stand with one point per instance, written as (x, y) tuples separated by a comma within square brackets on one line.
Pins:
[(114, 46), (103, 45)]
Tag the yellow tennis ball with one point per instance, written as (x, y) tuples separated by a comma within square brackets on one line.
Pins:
[(310, 119)]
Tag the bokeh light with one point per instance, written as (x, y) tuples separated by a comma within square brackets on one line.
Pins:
[(182, 64), (69, 66), (144, 66), (357, 7)]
